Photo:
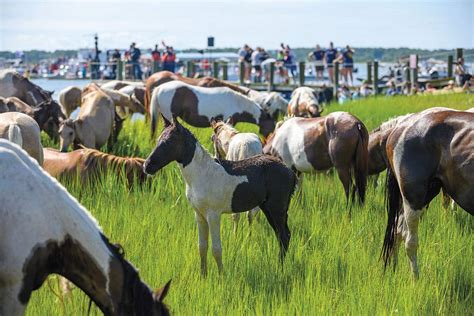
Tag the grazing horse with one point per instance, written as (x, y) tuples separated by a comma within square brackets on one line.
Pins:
[(229, 144), (161, 77), (315, 144), (50, 232), (94, 124), (431, 152), (197, 105), (236, 186), (47, 112), (22, 130), (136, 92), (91, 165), (16, 105), (70, 99), (304, 102)]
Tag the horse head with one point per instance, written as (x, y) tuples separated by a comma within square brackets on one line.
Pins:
[(136, 297), (48, 115), (275, 103), (175, 143), (67, 134), (266, 123)]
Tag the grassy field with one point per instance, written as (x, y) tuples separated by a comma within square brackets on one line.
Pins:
[(332, 266)]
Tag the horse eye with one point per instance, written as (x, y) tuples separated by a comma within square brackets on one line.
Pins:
[(70, 133)]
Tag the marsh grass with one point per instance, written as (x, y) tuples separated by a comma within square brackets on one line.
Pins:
[(332, 266)]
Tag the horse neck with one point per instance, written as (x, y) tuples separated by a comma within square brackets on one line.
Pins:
[(200, 166), (33, 96)]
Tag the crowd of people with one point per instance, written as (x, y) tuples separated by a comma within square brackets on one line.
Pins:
[(257, 61)]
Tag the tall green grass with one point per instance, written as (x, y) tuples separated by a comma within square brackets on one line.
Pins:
[(332, 266)]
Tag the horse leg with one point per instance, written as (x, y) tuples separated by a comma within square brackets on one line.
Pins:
[(344, 175), (235, 219), (214, 221), (412, 218), (203, 233), (276, 213)]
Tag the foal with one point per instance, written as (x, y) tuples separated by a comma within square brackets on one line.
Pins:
[(229, 144), (44, 230), (214, 187)]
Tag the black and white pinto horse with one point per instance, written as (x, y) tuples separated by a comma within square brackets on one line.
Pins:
[(431, 151), (50, 232), (214, 187)]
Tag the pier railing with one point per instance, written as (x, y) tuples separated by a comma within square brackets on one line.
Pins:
[(275, 76)]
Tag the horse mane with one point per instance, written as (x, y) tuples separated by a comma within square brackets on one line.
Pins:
[(93, 157), (219, 126), (391, 122)]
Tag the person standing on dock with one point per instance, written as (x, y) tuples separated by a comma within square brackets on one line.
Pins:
[(156, 55), (347, 64), (330, 56), (135, 54), (318, 57), (245, 56), (115, 59), (168, 58)]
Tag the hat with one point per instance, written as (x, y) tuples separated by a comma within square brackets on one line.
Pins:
[(450, 82)]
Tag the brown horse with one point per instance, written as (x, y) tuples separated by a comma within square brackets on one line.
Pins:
[(431, 152), (47, 114), (310, 145), (91, 165), (165, 76)]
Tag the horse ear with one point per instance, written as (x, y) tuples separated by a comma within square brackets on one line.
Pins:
[(213, 122), (230, 121), (160, 294), (167, 123)]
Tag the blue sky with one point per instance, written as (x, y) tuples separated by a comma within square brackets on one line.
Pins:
[(70, 24)]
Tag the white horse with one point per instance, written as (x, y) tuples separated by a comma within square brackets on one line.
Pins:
[(197, 105), (271, 102), (22, 130), (44, 230), (222, 186), (231, 145)]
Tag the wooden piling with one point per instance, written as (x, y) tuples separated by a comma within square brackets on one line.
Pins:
[(407, 72), (376, 77), (414, 75), (189, 69), (450, 66), (241, 73), (225, 74), (369, 72), (301, 73), (271, 81), (215, 69), (119, 69), (336, 79)]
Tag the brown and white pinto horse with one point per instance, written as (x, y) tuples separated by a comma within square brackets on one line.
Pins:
[(91, 165), (235, 186), (50, 232), (197, 105), (337, 140), (431, 152), (161, 77), (47, 112)]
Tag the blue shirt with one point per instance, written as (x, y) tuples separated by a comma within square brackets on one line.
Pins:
[(330, 55), (347, 56), (318, 55)]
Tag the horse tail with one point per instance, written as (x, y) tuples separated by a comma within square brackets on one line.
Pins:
[(154, 110), (14, 135), (393, 202), (361, 162)]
